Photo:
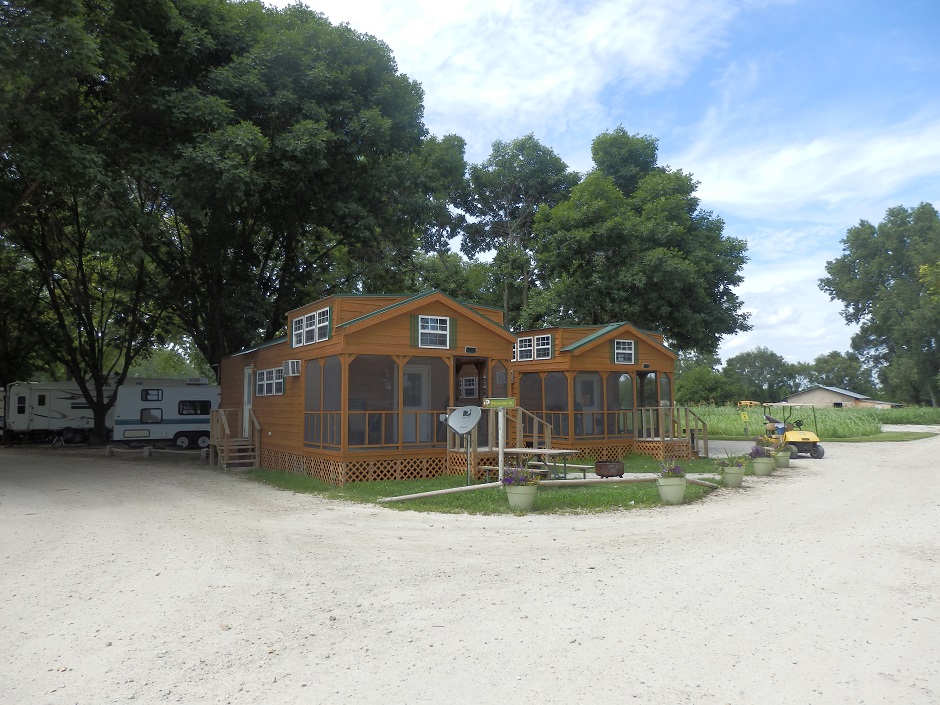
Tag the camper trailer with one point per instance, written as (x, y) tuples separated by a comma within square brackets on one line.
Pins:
[(153, 410), (41, 411), (166, 410)]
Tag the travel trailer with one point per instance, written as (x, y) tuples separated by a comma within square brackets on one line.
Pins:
[(162, 410), (165, 410), (43, 411)]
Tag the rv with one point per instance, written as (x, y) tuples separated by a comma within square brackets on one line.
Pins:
[(166, 410), (39, 411), (153, 410)]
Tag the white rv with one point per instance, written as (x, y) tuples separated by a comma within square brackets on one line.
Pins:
[(158, 410), (172, 410), (47, 410)]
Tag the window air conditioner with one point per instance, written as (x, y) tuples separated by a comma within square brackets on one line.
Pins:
[(291, 368)]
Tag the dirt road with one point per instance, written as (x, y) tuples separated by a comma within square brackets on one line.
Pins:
[(125, 580)]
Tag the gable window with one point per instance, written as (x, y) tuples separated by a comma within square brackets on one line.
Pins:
[(468, 387), (433, 332), (623, 352), (269, 382), (312, 328), (524, 350), (543, 347)]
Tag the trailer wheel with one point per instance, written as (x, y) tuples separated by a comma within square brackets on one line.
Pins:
[(182, 441), (203, 441), (817, 452)]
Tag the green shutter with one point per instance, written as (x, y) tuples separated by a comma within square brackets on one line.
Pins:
[(613, 351), (552, 347), (414, 331), (329, 332), (452, 327)]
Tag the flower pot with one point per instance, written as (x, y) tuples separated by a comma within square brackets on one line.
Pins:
[(782, 458), (521, 497), (671, 489), (608, 468), (733, 476), (762, 466)]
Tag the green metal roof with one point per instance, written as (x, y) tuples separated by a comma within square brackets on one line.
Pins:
[(260, 346), (609, 328)]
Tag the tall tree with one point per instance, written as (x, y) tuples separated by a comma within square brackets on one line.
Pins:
[(506, 191), (631, 243), (878, 280), (762, 374), (843, 370), (79, 83), (22, 353), (298, 176)]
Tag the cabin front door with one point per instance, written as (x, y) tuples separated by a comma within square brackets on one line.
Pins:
[(246, 405)]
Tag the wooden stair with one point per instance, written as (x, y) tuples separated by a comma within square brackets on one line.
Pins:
[(238, 453)]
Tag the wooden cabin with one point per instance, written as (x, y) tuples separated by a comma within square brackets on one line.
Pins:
[(359, 389)]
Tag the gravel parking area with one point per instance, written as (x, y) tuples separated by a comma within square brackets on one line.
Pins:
[(158, 581)]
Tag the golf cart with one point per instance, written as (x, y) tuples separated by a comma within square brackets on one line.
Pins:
[(782, 427)]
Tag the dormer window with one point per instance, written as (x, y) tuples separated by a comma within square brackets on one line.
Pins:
[(624, 352), (312, 328)]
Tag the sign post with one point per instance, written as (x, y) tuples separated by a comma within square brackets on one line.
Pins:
[(501, 403)]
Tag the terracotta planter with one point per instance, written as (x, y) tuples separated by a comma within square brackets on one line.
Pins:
[(762, 466), (521, 497), (671, 489)]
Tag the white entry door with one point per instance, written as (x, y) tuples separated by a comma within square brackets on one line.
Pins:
[(246, 405)]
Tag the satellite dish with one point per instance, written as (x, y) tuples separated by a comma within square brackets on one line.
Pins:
[(463, 420)]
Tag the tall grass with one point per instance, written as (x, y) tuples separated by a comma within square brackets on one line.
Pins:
[(831, 423)]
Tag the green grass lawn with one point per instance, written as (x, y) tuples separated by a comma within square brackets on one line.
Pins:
[(550, 500)]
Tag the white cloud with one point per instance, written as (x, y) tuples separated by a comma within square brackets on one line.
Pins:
[(493, 69), (838, 175)]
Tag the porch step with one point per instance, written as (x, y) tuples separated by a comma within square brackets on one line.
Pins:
[(239, 454)]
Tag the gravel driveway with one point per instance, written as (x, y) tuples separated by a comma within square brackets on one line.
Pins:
[(154, 581)]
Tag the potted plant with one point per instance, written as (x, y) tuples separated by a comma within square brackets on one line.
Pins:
[(781, 454), (761, 460), (732, 471), (671, 482), (521, 485)]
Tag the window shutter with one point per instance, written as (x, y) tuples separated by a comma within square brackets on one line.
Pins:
[(414, 331), (613, 351), (329, 332), (552, 347), (452, 328)]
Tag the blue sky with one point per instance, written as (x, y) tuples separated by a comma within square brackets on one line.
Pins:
[(798, 117)]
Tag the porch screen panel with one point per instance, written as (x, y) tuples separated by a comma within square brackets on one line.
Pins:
[(372, 417), (440, 396), (556, 402), (619, 404), (332, 401), (313, 391), (530, 392), (588, 404), (665, 390)]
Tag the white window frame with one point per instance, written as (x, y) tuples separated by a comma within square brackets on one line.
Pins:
[(525, 349), (624, 352), (433, 332), (270, 382), (543, 347), (312, 328), (468, 387)]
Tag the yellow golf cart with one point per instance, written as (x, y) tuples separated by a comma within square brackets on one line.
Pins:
[(785, 428)]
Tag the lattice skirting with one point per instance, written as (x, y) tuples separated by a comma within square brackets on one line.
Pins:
[(678, 449), (457, 464), (371, 469)]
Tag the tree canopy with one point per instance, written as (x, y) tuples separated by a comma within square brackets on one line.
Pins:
[(632, 244), (879, 282)]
